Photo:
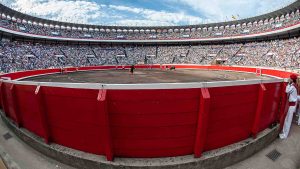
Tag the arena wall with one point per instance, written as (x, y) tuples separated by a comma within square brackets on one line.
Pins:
[(134, 121)]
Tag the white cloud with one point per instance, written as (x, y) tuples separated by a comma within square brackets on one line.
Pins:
[(63, 10), (175, 18), (126, 8), (156, 17), (219, 10), (85, 11)]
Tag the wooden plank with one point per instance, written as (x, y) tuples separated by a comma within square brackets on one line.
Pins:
[(261, 96), (107, 135), (201, 132)]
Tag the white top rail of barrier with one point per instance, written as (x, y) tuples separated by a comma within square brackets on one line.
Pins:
[(147, 85)]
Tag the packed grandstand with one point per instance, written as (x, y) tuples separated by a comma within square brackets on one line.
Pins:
[(17, 56), (17, 53)]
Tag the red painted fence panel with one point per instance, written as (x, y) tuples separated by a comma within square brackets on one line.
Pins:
[(231, 115), (9, 102), (73, 118), (29, 108), (202, 123), (151, 123), (17, 75), (271, 104)]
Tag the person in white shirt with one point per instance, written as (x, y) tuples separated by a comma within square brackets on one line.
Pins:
[(291, 90)]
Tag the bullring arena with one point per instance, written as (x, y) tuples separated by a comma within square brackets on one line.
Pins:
[(173, 121), (201, 96), (122, 76)]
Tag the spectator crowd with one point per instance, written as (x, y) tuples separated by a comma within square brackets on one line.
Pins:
[(17, 56)]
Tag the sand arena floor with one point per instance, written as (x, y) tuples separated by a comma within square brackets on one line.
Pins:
[(145, 76)]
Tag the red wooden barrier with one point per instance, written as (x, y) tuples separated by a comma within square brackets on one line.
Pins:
[(17, 75), (277, 73), (283, 105), (73, 118), (144, 123), (261, 95), (1, 96), (202, 122), (104, 120), (10, 103), (231, 115), (153, 123), (42, 114), (271, 104), (15, 107), (29, 105)]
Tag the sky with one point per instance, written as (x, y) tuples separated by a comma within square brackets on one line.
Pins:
[(145, 12)]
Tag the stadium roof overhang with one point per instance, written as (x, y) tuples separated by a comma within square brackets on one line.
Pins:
[(278, 13)]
